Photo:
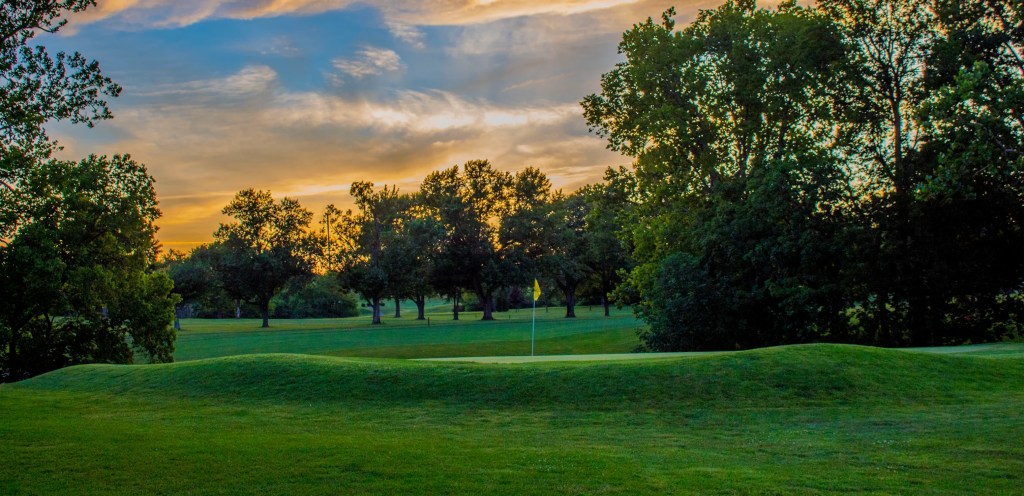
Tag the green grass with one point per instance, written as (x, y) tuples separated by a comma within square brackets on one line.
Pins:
[(816, 419), (406, 337)]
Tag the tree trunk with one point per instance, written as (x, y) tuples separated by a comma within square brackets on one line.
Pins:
[(238, 309), (570, 303), (398, 308), (455, 308), (177, 320), (265, 312), (604, 302), (487, 304), (421, 304), (376, 311)]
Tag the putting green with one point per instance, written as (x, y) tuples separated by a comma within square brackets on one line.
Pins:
[(990, 349), (569, 358)]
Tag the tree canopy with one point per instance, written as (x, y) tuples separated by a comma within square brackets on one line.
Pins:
[(846, 172), (265, 248), (75, 284)]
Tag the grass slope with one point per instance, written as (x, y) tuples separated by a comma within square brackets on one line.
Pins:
[(804, 419)]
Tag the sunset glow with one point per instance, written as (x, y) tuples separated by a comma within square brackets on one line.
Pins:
[(304, 97)]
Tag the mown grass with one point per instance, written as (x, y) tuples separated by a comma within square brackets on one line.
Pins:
[(407, 337), (816, 419)]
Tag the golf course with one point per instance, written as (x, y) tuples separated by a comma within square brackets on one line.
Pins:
[(292, 410)]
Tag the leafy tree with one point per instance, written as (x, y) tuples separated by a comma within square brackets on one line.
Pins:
[(569, 242), (607, 254), (415, 250), (938, 111), (322, 296), (370, 268), (469, 206), (75, 284), (531, 229), (192, 275), (36, 87), (264, 249), (720, 116)]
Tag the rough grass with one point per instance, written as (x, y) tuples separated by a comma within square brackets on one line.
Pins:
[(816, 419)]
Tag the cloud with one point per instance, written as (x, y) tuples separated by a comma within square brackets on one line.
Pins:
[(371, 61), (408, 12), (202, 147), (406, 32)]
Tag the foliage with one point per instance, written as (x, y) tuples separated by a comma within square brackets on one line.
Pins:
[(266, 247), (415, 249), (35, 88), (730, 120), (372, 265), (320, 297), (76, 286), (608, 252), (469, 206), (847, 172)]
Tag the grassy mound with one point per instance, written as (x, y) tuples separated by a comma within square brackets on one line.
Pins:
[(774, 376), (818, 419)]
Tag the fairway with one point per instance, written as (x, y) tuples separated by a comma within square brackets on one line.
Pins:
[(814, 419), (406, 337)]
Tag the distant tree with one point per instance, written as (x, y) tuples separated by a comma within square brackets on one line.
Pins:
[(75, 281), (527, 224), (370, 268), (542, 235), (416, 248), (322, 296), (193, 277), (566, 262), (608, 208), (334, 240), (469, 206), (264, 249)]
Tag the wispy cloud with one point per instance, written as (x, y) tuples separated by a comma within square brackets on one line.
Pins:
[(310, 144), (409, 12), (370, 61), (406, 32), (500, 80)]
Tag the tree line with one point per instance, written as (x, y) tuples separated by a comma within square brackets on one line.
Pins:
[(850, 172), (471, 229)]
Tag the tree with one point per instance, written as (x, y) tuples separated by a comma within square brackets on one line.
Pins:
[(531, 230), (264, 249), (192, 275), (370, 267), (416, 248), (608, 208), (720, 116), (320, 297), (570, 244), (75, 284), (35, 88), (938, 111), (469, 206)]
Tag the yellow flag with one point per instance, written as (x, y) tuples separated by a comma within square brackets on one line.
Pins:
[(536, 290)]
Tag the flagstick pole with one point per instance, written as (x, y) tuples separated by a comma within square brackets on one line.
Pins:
[(533, 330)]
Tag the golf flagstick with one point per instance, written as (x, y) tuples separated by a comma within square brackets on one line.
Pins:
[(536, 296)]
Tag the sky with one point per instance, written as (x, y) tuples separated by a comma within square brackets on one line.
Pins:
[(303, 97)]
